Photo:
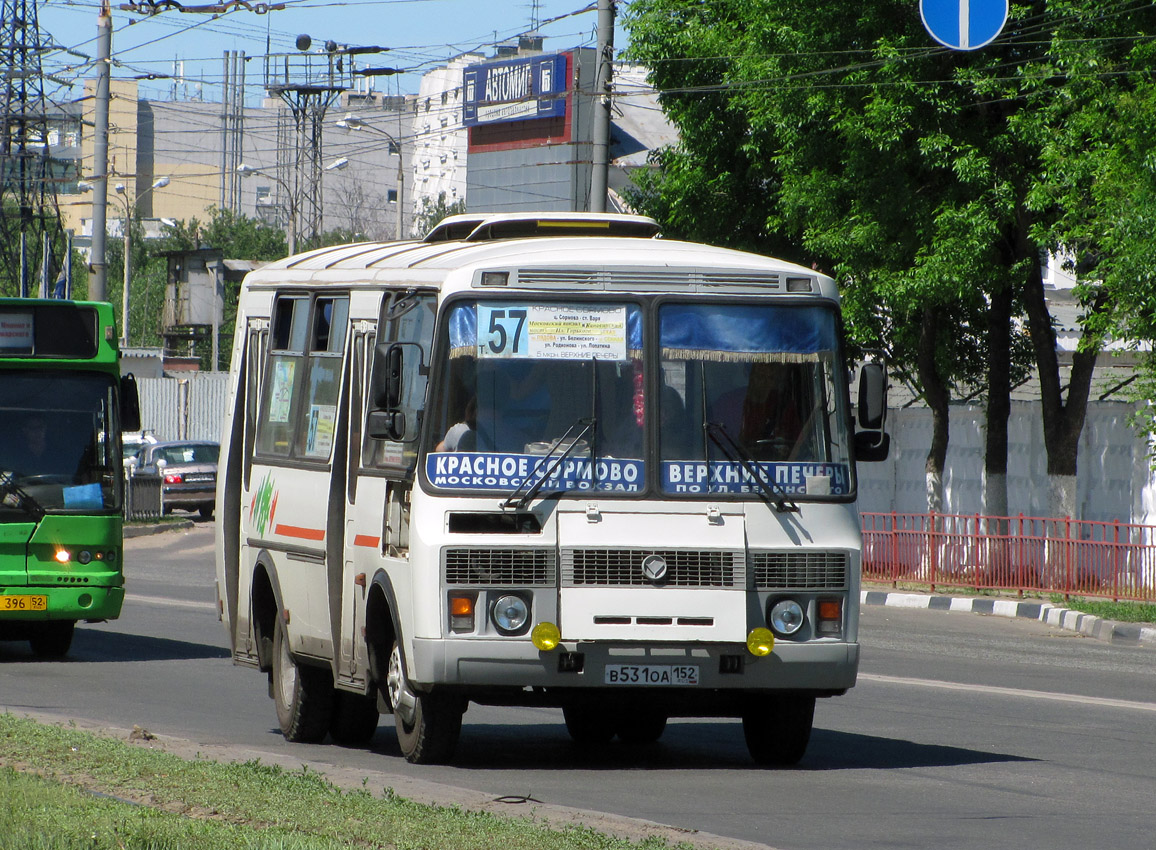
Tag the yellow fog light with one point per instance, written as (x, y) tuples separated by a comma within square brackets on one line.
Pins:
[(63, 556), (760, 642), (546, 636)]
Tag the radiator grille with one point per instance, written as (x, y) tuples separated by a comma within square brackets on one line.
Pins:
[(522, 567), (799, 570), (623, 567)]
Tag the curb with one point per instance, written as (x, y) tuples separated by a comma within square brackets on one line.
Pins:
[(131, 531), (1053, 615)]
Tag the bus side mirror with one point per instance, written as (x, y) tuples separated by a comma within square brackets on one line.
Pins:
[(386, 425), (388, 360), (872, 443), (129, 403), (872, 396)]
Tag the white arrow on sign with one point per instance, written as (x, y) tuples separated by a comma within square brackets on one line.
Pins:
[(964, 24)]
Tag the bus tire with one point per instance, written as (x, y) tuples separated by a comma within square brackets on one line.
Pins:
[(303, 695), (428, 725), (778, 729), (52, 639), (588, 724), (354, 720), (641, 727)]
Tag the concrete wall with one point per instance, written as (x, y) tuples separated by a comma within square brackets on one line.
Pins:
[(1115, 480)]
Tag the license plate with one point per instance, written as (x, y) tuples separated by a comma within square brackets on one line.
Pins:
[(23, 603), (651, 674), (201, 477)]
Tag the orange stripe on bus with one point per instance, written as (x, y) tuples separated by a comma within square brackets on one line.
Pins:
[(303, 533), (366, 540)]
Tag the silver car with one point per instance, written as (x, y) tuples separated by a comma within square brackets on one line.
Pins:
[(188, 470)]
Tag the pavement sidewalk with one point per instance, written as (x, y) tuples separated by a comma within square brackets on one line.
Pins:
[(1034, 609)]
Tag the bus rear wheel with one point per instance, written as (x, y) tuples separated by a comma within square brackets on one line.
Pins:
[(52, 639), (303, 695), (778, 729), (428, 725)]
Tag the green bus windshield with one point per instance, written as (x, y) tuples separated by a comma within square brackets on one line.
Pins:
[(57, 443)]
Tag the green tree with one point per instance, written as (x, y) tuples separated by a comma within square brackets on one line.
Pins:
[(429, 213), (929, 181)]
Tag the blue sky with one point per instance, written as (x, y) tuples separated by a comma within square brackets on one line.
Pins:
[(421, 34)]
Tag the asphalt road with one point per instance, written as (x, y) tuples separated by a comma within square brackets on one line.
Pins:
[(964, 730)]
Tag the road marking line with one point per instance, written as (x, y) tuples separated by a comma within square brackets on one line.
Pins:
[(172, 603), (1010, 692)]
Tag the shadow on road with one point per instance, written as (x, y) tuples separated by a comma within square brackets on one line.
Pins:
[(685, 746), (99, 645)]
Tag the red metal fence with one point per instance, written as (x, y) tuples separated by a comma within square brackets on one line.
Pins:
[(1116, 560)]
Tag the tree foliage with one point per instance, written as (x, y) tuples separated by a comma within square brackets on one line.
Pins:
[(928, 181)]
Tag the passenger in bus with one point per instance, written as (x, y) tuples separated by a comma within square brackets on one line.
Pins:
[(761, 414), (462, 436), (514, 405)]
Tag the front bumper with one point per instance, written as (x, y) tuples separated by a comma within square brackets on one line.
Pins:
[(820, 667)]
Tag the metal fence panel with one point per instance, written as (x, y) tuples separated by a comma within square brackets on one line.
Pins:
[(1115, 560), (184, 408), (142, 497)]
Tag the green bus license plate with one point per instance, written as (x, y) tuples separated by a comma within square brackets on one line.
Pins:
[(23, 603), (651, 674)]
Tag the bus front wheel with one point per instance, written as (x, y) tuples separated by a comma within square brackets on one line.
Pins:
[(778, 729), (428, 725), (588, 724), (303, 695), (52, 639)]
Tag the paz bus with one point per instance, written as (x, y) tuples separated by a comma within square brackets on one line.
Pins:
[(543, 460), (63, 404)]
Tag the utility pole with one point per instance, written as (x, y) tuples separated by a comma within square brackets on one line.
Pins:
[(603, 76), (29, 217), (97, 268)]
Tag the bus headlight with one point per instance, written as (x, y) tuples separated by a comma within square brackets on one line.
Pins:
[(510, 614), (786, 616)]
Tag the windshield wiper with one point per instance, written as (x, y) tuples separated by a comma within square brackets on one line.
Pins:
[(587, 427), (12, 495), (772, 493)]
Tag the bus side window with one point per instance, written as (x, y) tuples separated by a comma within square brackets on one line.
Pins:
[(406, 318), (283, 376)]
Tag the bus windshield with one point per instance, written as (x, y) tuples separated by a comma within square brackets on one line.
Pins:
[(749, 401), (540, 391), (56, 443), (748, 392)]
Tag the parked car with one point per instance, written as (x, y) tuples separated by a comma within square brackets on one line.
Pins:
[(188, 469), (133, 441)]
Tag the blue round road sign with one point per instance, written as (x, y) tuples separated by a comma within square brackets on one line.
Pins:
[(964, 24)]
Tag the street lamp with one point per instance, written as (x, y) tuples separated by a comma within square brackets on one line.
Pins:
[(129, 208), (126, 232), (352, 122), (291, 233)]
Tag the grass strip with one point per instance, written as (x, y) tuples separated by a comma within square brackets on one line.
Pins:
[(63, 788)]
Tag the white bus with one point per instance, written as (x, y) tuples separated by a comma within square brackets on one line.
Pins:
[(547, 460)]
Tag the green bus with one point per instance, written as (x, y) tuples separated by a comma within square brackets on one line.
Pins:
[(63, 404)]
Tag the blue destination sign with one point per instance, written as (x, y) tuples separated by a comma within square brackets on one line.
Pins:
[(964, 24), (515, 90), (724, 476), (495, 471)]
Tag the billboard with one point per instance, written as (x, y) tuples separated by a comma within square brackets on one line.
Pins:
[(515, 90)]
